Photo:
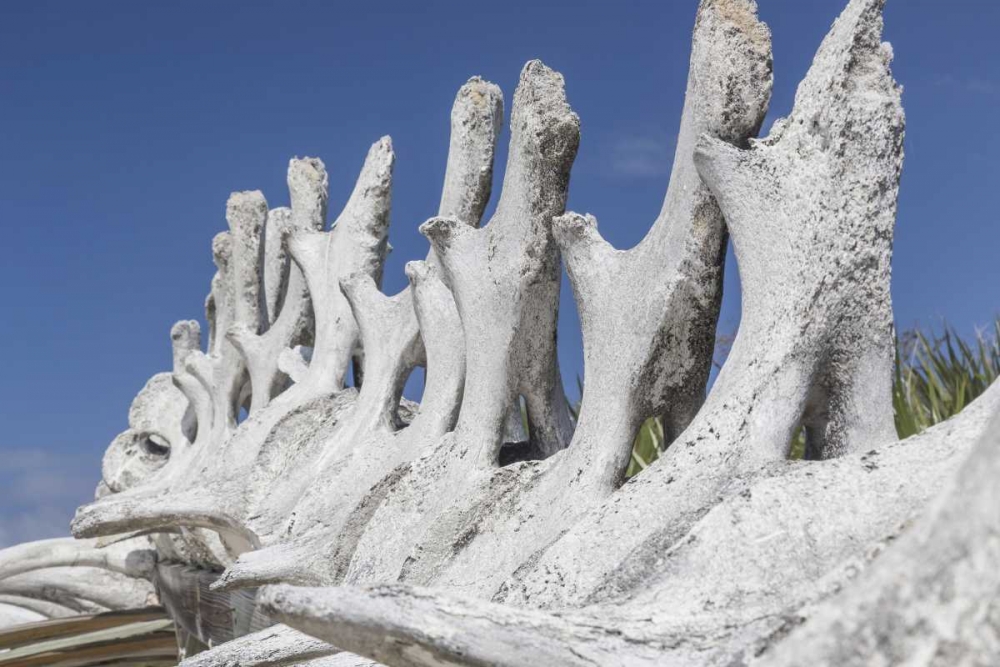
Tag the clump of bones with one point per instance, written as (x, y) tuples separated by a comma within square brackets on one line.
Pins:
[(347, 526)]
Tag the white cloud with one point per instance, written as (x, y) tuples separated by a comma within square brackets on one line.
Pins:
[(644, 154), (969, 84), (40, 490)]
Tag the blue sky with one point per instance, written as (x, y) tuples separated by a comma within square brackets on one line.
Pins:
[(125, 125)]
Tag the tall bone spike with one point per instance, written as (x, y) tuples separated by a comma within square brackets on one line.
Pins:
[(357, 243), (505, 277), (420, 323), (505, 281), (343, 494), (308, 185), (668, 288), (824, 228)]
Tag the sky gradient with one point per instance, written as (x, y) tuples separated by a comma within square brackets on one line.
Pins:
[(124, 126)]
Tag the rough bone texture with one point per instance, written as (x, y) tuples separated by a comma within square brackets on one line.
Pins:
[(423, 536)]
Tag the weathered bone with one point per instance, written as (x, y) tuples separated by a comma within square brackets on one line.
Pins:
[(933, 597), (133, 558), (16, 615), (341, 486), (355, 244), (717, 593), (292, 323), (813, 252), (155, 430), (505, 281), (81, 588), (859, 21), (668, 287), (277, 645), (371, 447), (44, 608)]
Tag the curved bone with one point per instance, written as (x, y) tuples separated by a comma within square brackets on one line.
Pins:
[(132, 558), (818, 323), (85, 585), (420, 324), (668, 287), (16, 615), (45, 608)]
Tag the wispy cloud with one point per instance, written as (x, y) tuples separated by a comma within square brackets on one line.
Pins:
[(39, 491), (641, 154), (969, 84)]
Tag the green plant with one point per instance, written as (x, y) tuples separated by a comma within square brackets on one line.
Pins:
[(937, 377), (934, 378)]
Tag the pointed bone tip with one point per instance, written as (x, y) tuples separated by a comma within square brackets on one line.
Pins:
[(226, 582), (416, 271), (246, 203), (740, 15), (307, 166), (185, 330), (308, 176), (477, 84), (477, 96), (440, 231), (536, 70), (242, 575), (85, 521), (383, 148), (222, 248), (570, 227), (377, 169), (857, 29), (539, 82), (542, 115)]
